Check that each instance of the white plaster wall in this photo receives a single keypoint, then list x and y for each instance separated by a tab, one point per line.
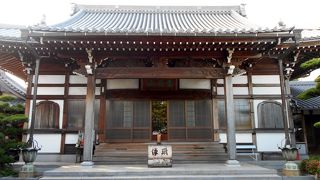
220	81
51	79
59	102
269	141
74	79
265	79
194	84
240	91
98	81
266	90
98	91
244	138
71	138
123	84
240	138
220	90
223	137
82	91
49	143
240	80
77	90
49	91
255	109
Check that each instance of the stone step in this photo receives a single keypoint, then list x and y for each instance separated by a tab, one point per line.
175	159
192	177
136	153
180	172
131	152
143	170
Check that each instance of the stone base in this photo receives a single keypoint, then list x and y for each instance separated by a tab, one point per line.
232	163
159	162
291	165
290	168
29	167
287	172
26	175
87	163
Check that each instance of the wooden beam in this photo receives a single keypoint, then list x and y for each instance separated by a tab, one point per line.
144	72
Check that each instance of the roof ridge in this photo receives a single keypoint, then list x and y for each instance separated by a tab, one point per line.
12	26
135	8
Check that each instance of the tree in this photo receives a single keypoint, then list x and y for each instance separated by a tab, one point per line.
11	121
311	64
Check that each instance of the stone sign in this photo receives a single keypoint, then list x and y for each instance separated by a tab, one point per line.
159	156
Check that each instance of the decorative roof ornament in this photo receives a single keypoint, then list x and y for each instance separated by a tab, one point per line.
43	20
243	10
281	24
74	8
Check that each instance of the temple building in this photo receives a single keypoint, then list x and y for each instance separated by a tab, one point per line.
203	77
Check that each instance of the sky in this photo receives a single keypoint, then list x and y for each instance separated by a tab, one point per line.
299	14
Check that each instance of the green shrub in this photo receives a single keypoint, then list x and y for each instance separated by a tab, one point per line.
311	165
11	123
311	64
310	93
317	124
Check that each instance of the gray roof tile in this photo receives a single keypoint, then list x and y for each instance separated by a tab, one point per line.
158	20
8	32
297	87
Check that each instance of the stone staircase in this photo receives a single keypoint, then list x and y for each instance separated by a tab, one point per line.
136	153
193	171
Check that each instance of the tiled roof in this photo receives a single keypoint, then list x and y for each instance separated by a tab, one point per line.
296	88
159	20
10	31
11	85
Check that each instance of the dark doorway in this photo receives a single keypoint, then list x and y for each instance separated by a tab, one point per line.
313	134
159	119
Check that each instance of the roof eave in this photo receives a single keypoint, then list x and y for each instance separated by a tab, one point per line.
213	34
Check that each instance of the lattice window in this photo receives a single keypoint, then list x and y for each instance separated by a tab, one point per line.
76	113
241	114
176	114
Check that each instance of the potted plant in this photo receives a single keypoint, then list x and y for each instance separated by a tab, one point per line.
290	153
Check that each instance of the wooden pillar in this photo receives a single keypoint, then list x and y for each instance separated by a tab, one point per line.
27	105
231	131
65	109
251	100
215	112
284	103
89	122
34	101
102	112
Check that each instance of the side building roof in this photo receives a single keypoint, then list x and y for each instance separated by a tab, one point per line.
11	36
298	87
10	32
